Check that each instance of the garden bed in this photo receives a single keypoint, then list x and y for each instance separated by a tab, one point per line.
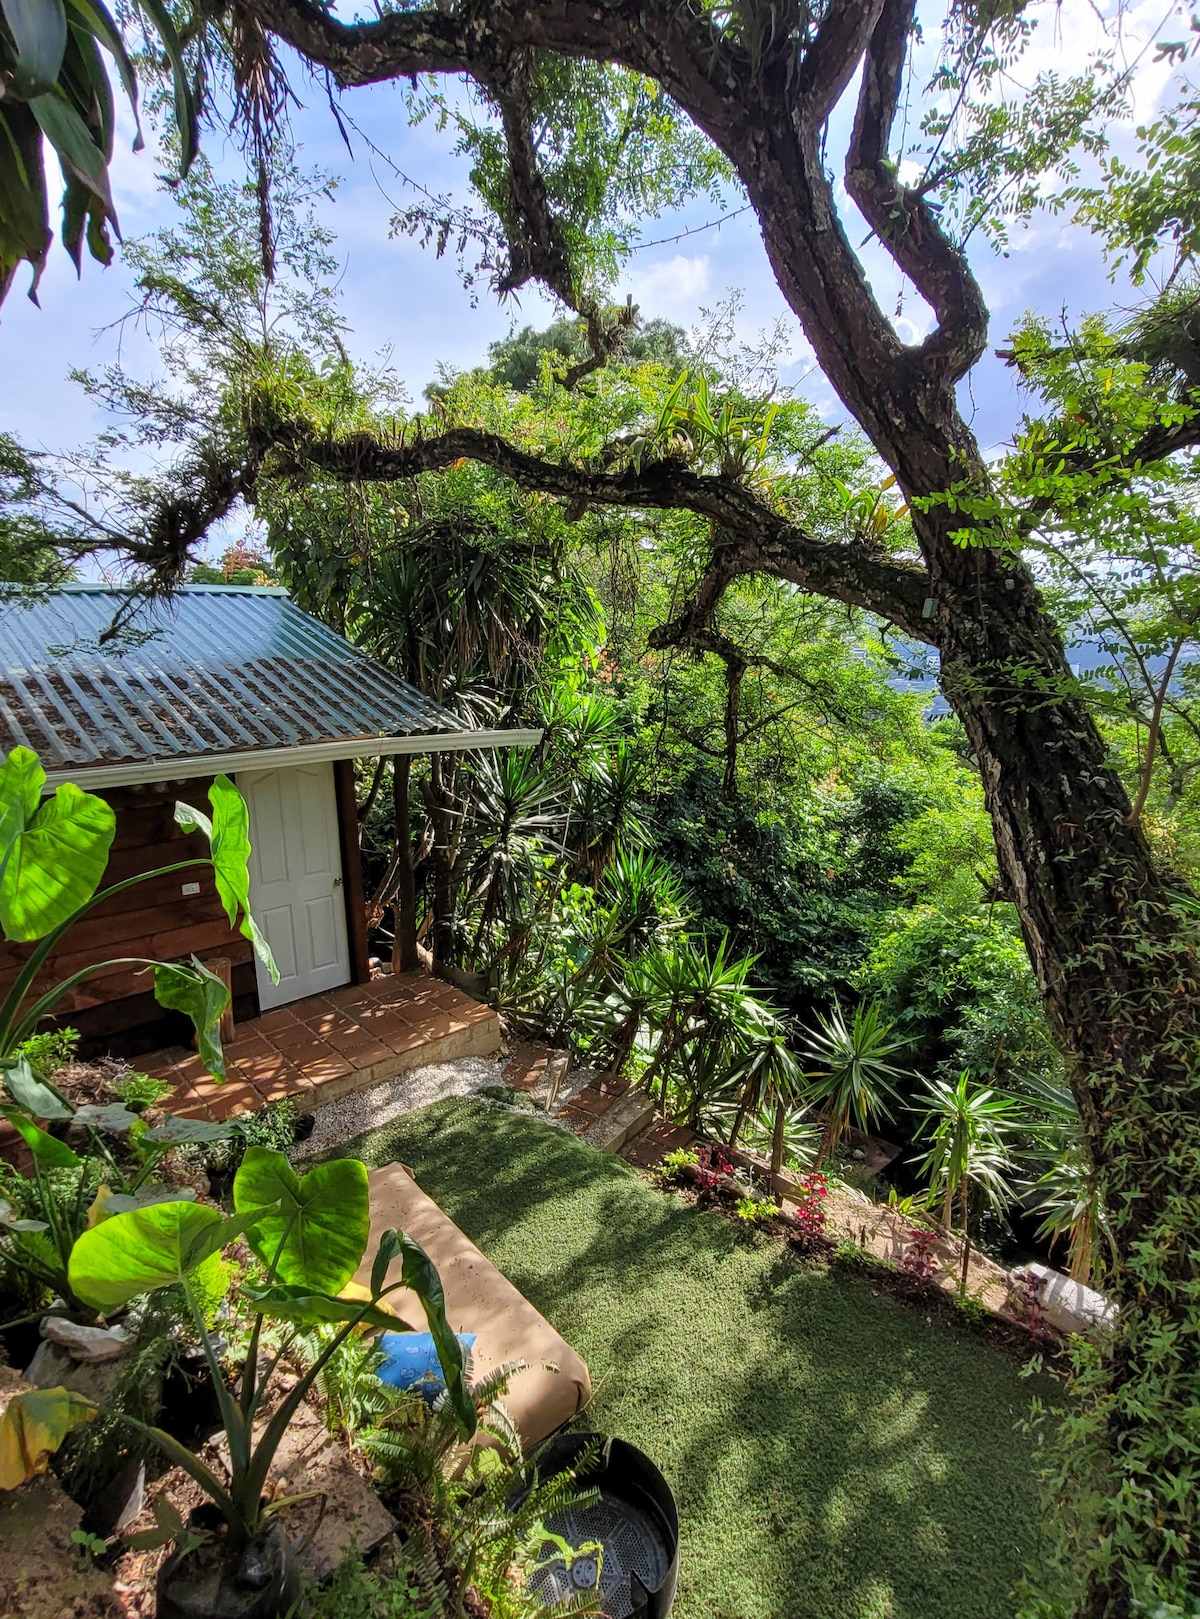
833	1451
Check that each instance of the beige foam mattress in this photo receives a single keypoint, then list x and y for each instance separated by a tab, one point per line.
481	1300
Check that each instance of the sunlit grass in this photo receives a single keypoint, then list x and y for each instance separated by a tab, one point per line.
834	1455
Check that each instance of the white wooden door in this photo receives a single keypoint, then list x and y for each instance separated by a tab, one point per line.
296	880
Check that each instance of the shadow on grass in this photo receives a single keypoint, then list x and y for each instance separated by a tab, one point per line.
833	1454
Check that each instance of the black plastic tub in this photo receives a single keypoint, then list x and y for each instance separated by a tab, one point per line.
635	1522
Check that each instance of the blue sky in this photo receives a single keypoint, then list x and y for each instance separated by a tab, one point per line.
397	296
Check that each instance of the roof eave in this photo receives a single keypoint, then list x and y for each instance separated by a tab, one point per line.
137	772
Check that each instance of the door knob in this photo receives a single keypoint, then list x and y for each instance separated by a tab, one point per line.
337	882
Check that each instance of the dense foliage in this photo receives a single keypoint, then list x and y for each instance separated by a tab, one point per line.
679	531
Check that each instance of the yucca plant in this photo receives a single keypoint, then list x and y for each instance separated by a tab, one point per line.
1073	1211
771	1080
849	1080
969	1128
1067	1189
55	88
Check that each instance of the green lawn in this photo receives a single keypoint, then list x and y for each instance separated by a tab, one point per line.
832	1454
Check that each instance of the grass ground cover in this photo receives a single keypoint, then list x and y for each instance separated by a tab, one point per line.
834	1456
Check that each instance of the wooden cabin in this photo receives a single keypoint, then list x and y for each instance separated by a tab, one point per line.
231	679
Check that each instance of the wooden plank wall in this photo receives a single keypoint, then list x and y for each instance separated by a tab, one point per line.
116	1010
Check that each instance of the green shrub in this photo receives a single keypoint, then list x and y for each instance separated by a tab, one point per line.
272	1126
673	1164
961	990
139	1091
50	1051
755	1210
400	1583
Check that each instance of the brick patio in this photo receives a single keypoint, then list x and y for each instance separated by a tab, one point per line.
319	1049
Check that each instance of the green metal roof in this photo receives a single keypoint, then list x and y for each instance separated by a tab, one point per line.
212	672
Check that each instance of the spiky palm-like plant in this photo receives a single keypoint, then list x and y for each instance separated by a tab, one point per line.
850	1072
969	1128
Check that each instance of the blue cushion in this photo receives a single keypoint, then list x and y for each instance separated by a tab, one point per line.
410	1361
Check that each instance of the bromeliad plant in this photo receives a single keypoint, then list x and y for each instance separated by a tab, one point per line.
310	1235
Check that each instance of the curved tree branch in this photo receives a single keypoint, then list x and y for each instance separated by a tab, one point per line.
829	62
902	218
762	539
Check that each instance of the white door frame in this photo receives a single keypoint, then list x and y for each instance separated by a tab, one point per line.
296	880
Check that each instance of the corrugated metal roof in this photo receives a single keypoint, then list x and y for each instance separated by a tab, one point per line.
212	670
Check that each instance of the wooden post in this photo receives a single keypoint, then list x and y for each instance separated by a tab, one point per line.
404	953
223	968
352	876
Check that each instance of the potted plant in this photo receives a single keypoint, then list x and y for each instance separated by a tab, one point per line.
231	1559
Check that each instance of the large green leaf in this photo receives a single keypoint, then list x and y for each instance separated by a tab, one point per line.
113	1118
140	1251
147	1248
204	997
305	1308
48	1150
228	834
30	1091
72	140
419	1273
39	31
318	1238
175	1132
52	851
97	19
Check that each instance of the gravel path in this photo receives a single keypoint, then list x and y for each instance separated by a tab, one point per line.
350	1115
358	1111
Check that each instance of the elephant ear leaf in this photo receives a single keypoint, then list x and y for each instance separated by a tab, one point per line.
53	851
30	1091
47	1149
228	834
419	1273
204	997
317	1239
140	1251
32	1427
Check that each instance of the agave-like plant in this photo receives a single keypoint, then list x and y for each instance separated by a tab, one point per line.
516	820
55	88
849	1080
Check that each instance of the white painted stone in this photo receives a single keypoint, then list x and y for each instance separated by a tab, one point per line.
93	1345
1068	1305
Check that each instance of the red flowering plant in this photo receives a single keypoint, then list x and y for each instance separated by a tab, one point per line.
810	1210
714	1168
919	1262
1025	1301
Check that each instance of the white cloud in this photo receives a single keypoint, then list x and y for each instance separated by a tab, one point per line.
674	284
